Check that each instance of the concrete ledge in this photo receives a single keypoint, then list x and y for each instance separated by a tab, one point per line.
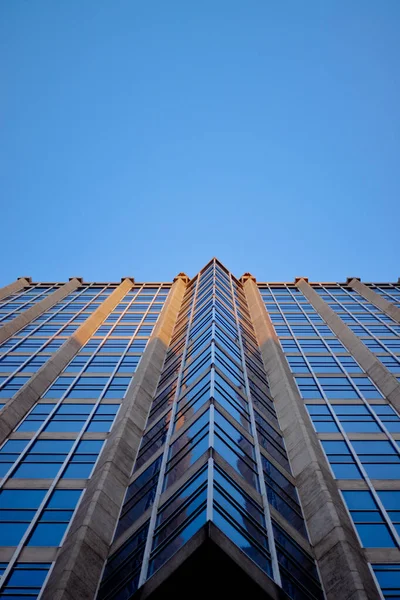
17	407
383	555
14	287
38	309
366	292
385	381
343	568
29	554
81	559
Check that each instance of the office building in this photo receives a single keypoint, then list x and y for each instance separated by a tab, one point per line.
214	435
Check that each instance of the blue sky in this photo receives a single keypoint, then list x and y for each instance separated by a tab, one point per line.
141	138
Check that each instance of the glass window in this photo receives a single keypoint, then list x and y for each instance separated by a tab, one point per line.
44	459
297	568
17	509
368	519
322	418
59	387
388	577
187	448
28	577
55	518
356	418
192	400
236	449
36	417
9	454
88	387
232	400
388	416
82	461
240	518
391	501
324	364
349	364
13	386
271	440
185	523
139	496
308	387
379	458
337	387
282	495
118	387
298	364
102	364
366	387
341	460
289	346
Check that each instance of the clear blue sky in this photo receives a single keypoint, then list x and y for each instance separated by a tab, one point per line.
142	137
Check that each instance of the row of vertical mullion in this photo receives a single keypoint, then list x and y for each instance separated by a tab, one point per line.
161	475
379	340
350	445
346	373
211	442
76	441
51	338
328	349
338	422
53	288
45	422
394	299
18	294
56	479
263	489
375	315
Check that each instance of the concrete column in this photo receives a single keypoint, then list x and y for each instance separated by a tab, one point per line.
379	374
38	309
79	566
14	287
366	292
18	406
343	568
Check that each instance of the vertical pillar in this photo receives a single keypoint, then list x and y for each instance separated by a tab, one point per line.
38	309
366	292
379	374
343	568
81	559
14	287
20	404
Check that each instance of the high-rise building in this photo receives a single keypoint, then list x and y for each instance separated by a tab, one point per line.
214	437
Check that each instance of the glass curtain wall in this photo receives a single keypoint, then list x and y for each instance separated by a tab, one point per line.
212	451
46	461
357	427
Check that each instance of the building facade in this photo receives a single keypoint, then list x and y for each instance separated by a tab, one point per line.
212	435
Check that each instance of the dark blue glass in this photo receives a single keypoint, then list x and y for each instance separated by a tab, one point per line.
47	534
375	535
11	533
257	553
21	498
177	542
